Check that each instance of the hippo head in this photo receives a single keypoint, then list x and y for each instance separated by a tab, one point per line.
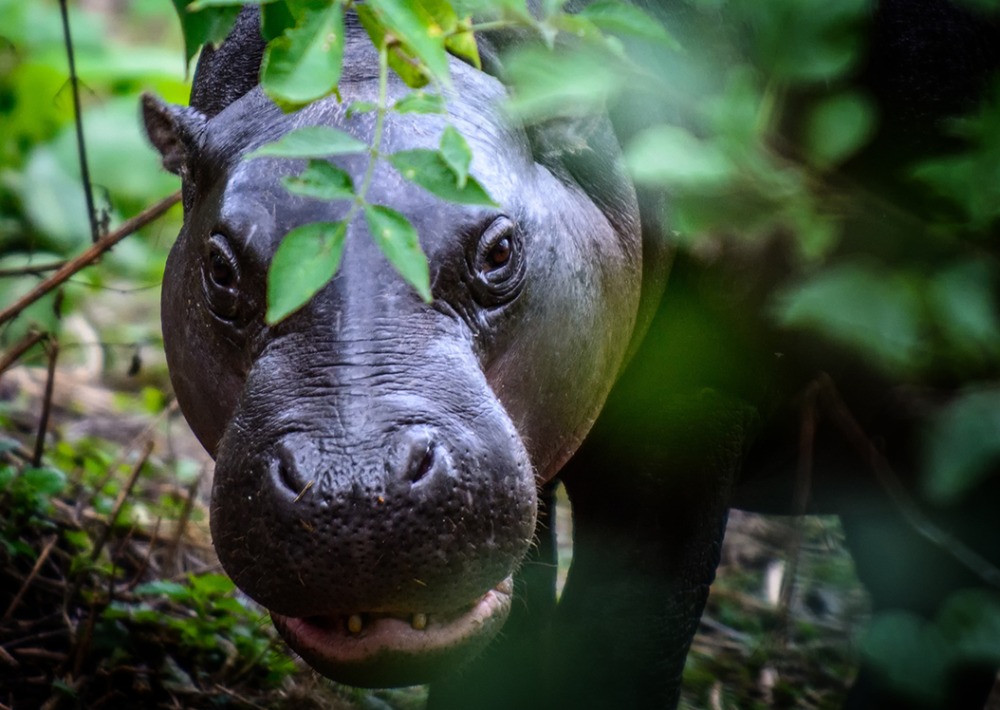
377	456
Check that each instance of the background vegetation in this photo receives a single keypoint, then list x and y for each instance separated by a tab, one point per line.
109	587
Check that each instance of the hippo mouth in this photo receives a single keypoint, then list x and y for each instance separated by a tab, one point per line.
389	649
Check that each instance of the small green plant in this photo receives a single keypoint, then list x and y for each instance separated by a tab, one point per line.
87	576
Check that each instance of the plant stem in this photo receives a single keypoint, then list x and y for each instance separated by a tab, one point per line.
380	111
74	82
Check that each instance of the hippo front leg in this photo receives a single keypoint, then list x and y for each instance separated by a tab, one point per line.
650	490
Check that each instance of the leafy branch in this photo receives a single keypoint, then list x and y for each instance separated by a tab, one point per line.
302	63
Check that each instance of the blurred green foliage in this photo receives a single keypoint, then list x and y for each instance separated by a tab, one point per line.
43	216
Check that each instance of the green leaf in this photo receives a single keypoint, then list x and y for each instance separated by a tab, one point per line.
837	128
310	142
201	4
826	42
412	22
670	156
209	26
463	44
910	653
398	240
78	538
971	619
356	107
456	153
963	301
44	481
172	590
305	261
874	311
213	584
322	181
568	83
304	63
401	60
620	18
963	445
419	102
430	170
275	19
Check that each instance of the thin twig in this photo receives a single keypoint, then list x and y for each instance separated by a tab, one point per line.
43	422
7	660
74	83
171	562
144	436
31	269
120	500
26	343
140	571
91	255
901	498
49	544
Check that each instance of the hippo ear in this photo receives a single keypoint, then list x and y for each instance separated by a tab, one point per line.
173	130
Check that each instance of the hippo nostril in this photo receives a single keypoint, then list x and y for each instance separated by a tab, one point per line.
288	470
415	458
423	467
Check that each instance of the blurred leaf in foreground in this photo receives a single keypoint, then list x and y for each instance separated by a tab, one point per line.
873	310
963	445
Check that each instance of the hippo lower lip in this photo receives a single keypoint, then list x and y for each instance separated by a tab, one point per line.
402	648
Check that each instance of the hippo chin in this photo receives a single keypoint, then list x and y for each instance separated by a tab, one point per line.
377	457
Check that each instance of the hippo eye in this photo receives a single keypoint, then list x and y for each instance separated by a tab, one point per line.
221	278
498	267
498	255
220	270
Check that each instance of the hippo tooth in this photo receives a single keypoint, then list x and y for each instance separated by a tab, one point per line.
419	621
354	623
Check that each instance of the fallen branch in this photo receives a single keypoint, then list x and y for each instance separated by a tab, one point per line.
120	500
49	544
20	348
92	254
43	422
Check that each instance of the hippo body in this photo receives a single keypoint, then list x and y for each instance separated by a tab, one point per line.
383	464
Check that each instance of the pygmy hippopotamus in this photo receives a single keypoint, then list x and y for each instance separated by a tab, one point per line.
382	462
377	457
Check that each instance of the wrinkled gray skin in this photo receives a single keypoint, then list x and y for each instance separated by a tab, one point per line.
377	455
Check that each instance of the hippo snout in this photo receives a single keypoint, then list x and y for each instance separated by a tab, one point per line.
381	551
